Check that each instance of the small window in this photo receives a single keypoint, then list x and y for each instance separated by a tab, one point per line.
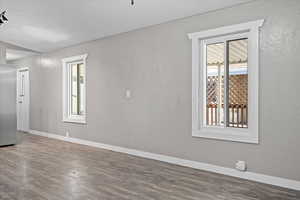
225	82
74	92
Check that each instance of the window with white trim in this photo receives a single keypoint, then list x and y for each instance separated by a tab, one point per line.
74	89
225	82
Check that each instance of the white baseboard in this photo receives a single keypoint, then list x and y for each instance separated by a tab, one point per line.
272	180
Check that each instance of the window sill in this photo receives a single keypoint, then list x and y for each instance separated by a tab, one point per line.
228	134
75	121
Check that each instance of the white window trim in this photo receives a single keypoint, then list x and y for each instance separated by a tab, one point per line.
67	116
251	134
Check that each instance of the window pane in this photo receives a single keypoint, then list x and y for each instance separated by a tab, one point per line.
77	89
81	89
237	112
74	89
215	84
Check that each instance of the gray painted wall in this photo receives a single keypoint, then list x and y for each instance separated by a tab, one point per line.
155	63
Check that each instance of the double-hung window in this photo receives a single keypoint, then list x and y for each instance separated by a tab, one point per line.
74	89
225	82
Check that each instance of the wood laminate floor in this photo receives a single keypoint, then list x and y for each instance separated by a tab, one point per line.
43	168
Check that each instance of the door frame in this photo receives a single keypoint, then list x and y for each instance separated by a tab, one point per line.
22	69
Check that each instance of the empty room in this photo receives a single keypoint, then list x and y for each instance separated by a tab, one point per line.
149	100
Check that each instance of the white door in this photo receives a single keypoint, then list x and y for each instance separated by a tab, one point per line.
23	99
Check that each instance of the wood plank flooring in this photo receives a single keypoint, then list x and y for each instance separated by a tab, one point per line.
43	168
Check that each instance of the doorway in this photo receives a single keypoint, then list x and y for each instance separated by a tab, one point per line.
23	98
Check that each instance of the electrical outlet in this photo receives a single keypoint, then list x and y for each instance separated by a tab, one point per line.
67	134
241	166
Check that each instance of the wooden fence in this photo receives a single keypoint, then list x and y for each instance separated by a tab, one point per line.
237	114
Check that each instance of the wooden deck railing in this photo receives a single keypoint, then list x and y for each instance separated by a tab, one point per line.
238	115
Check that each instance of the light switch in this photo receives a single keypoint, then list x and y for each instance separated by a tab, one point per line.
128	94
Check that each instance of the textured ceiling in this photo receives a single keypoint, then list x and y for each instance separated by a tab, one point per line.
46	25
